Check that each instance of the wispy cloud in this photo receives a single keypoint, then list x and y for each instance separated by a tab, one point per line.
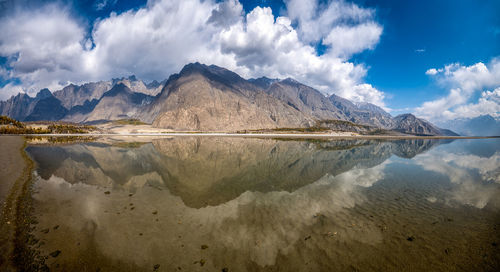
102	4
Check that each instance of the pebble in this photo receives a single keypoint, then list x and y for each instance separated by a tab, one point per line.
204	246
107	192
55	253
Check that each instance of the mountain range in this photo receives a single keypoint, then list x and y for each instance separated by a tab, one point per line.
211	98
484	125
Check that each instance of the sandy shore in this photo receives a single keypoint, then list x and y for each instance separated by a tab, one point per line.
12	164
15	177
339	135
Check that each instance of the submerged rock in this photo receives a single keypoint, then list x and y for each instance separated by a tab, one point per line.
55	253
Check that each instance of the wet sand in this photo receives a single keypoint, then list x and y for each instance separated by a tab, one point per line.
12	164
15	177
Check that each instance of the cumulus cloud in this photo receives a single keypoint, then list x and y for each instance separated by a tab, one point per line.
227	13
464	82
42	47
48	48
488	103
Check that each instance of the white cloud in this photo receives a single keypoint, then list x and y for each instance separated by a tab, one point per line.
155	41
43	48
346	40
364	93
315	20
488	103
464	83
431	72
101	4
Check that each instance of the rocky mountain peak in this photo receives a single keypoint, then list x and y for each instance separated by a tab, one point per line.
290	81
263	82
43	93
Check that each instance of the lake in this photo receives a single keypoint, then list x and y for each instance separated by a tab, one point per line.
250	204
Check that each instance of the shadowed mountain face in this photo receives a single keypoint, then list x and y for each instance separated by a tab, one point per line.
17	107
118	103
210	98
73	95
210	171
49	109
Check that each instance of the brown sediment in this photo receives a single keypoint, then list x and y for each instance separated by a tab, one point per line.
15	221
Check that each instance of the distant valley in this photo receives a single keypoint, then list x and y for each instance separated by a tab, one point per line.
211	98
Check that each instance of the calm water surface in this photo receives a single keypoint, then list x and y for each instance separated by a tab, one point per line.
206	203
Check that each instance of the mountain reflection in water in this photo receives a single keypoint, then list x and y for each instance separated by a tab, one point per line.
264	204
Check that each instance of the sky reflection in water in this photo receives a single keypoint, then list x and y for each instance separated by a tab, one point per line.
259	204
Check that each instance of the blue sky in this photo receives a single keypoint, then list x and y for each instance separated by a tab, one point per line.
365	50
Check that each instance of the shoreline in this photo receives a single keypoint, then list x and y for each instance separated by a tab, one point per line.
256	135
16	221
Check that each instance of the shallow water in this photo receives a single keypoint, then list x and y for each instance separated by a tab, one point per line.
208	203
